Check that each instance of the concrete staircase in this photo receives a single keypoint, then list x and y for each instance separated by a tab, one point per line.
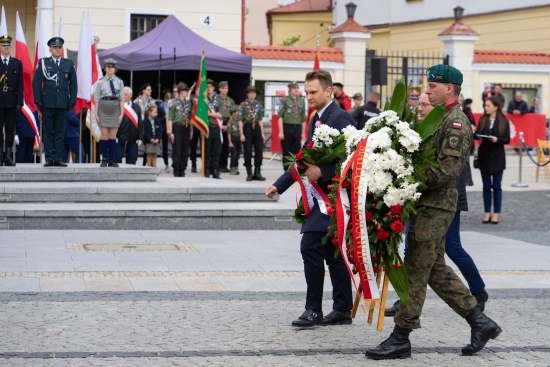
132	197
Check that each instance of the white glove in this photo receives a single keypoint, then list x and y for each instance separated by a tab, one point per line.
16	140
138	143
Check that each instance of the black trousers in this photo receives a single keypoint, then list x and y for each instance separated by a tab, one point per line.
180	148
53	129
235	151
212	150
292	141
164	140
25	151
224	153
253	138
193	146
7	124
314	254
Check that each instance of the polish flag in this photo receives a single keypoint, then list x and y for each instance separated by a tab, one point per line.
60	34
3	23
39	43
22	53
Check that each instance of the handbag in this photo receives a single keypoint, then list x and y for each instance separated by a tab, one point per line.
476	163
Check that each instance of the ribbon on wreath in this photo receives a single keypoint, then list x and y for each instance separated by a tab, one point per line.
310	190
355	212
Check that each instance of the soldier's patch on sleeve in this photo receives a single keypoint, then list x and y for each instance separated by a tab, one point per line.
453	141
453	145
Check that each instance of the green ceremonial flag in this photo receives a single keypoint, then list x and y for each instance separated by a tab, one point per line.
199	116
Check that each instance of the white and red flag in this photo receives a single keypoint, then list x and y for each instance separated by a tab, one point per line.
3	24
22	53
39	40
60	34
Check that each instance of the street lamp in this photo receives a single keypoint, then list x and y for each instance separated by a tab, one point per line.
350	9
459	12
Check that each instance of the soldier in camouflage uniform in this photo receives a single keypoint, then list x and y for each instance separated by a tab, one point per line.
425	259
292	122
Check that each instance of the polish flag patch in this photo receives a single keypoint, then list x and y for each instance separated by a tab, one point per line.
457	125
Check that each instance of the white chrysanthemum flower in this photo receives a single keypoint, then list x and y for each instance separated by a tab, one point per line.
334	132
354	140
348	131
380	139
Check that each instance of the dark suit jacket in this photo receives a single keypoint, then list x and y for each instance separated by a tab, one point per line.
491	156
127	132
148	130
49	93
72	127
14	81
337	118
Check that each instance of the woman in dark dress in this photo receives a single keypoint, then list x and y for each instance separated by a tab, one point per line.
494	131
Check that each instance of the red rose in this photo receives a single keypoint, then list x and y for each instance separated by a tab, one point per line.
310	144
344	184
397	226
299	156
382	235
396	209
369	217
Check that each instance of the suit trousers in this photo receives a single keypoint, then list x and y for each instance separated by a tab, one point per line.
25	151
53	131
213	147
253	138
164	140
7	123
314	254
180	148
425	264
131	150
292	141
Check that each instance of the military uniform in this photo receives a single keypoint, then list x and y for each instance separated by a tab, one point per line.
223	106
293	113
180	115
251	116
11	100
55	87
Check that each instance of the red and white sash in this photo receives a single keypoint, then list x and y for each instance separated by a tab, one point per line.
132	115
32	122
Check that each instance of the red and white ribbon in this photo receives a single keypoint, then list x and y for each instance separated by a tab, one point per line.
132	115
310	190
32	122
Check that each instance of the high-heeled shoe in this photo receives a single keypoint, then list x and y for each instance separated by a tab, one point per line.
485	221
494	221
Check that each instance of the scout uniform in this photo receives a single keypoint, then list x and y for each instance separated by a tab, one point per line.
214	141
11	100
55	87
251	116
224	105
293	114
435	210
180	115
233	134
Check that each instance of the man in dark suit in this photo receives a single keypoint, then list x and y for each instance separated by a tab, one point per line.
11	98
318	88
55	87
129	130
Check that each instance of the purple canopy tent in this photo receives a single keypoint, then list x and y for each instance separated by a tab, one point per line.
172	37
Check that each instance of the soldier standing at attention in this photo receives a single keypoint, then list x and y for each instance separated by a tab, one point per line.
224	107
179	129
292	121
109	107
11	98
425	261
252	133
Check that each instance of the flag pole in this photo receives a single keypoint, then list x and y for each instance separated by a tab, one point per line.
203	165
80	138
160	61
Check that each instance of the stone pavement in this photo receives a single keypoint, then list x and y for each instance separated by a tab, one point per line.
226	298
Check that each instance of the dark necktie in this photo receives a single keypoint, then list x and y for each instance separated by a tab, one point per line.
6	62
57	63
112	87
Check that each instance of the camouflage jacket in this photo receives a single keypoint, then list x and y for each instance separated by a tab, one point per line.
451	141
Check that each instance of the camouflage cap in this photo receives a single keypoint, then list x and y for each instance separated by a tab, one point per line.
444	74
357	96
56	41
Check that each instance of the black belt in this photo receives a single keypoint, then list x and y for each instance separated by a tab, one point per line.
109	98
5	88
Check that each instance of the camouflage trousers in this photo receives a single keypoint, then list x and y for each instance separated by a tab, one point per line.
425	265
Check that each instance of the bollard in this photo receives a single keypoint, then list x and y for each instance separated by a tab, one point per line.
521	146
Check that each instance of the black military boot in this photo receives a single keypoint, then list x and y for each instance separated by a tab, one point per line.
391	311
249	173
207	173
216	174
258	175
193	167
483	329
8	159
1	156
397	345
481	299
177	172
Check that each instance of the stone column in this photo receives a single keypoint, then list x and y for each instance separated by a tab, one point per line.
45	8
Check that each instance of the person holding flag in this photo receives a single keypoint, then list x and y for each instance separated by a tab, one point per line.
55	87
213	145
11	98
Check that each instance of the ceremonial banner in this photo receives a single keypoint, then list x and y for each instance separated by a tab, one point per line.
199	115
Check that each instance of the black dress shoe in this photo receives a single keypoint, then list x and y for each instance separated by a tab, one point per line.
391	311
59	164
483	329
48	164
308	319
336	318
224	170
194	169
481	299
113	164
397	345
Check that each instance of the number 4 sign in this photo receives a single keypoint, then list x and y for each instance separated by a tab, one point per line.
207	21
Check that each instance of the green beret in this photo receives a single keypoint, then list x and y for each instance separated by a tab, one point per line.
444	74
56	41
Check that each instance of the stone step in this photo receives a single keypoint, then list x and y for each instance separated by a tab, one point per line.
77	172
147	216
166	189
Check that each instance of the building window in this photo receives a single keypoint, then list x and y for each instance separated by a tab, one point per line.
142	24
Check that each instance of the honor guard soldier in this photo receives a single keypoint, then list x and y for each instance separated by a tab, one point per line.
55	87
291	121
11	99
